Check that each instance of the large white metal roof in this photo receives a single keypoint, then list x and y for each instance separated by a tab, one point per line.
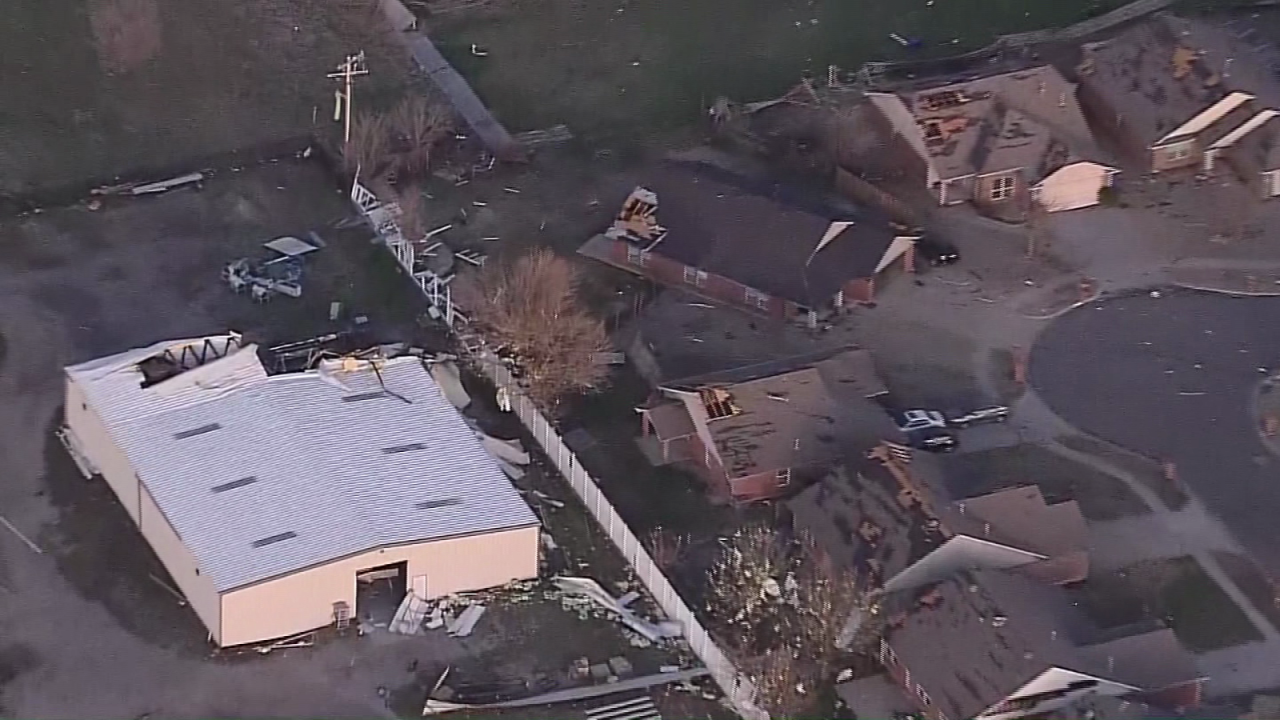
262	476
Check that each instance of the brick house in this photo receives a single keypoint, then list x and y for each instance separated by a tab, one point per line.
1180	94
999	645
762	431
999	141
770	249
888	524
976	623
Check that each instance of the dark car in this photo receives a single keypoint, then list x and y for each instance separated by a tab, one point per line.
936	252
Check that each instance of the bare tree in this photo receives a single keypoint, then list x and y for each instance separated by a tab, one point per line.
529	308
418	126
367	151
667	547
126	33
786	607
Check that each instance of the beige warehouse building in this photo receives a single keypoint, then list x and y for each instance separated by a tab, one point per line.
266	496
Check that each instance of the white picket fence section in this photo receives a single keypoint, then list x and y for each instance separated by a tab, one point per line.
736	686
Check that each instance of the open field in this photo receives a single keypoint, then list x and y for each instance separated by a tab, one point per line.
127	86
611	67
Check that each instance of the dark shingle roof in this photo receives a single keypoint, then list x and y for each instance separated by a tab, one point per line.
765	236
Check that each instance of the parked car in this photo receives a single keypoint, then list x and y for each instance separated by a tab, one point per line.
917	420
995	413
937	252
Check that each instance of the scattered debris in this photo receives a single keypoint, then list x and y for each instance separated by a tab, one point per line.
182	601
511	471
306	639
164	185
466	621
510	450
590	589
448	377
550	136
410	616
548	499
25	540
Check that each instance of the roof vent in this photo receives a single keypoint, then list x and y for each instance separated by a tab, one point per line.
197	431
998	621
403	448
365	396
432	504
273	539
235	484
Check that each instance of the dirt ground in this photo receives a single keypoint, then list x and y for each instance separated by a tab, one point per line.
1176	592
130	86
86	630
624	72
1101	496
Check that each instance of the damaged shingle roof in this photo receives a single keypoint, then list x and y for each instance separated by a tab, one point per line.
792	412
1028	119
1162	72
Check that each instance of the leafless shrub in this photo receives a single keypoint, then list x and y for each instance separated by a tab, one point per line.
126	33
529	308
666	547
367	152
413	212
786	613
418	126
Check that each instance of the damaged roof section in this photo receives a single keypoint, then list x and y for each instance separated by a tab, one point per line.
1029	119
788	413
1171	77
882	518
977	639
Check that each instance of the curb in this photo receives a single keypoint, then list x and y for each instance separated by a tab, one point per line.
1223	291
1065	310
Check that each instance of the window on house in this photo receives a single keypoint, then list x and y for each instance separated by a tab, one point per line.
757	299
784	477
695	277
924	696
1002	187
887	657
636	256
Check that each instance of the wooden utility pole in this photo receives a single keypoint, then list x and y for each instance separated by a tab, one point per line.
348	69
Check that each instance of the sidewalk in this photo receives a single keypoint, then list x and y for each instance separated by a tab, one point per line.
1256	279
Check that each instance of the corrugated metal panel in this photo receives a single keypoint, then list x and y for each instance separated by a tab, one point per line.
323	478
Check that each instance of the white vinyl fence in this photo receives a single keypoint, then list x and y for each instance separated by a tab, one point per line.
736	686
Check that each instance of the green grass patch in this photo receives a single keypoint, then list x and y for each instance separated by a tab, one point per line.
610	67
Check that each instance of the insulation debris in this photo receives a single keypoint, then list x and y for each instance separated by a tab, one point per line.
466	621
449	379
591	590
409	617
511	451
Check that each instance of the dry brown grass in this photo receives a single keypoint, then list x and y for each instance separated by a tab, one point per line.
126	33
417	126
529	308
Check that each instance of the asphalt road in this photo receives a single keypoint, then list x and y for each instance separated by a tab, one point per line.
1173	378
